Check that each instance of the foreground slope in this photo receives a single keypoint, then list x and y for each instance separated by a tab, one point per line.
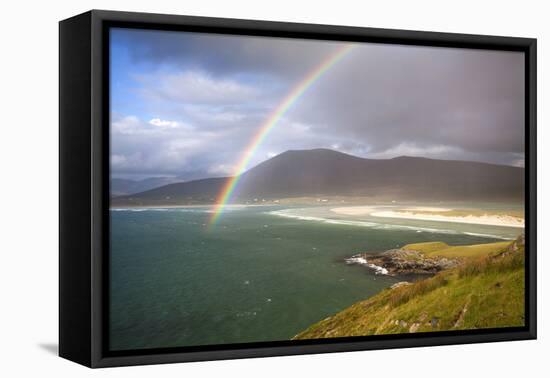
484	292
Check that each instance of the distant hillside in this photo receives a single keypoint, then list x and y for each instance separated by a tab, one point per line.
121	187
189	193
322	172
485	292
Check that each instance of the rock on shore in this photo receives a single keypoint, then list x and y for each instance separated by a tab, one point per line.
404	261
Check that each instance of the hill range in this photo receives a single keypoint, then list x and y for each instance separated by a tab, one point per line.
326	173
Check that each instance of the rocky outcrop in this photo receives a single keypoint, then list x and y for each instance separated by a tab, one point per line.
517	246
404	261
400	284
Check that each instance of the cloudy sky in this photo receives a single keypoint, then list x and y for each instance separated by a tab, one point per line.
187	104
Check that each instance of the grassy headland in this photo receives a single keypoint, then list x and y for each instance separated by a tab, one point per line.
485	291
440	249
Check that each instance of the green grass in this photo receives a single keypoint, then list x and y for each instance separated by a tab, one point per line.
484	292
426	248
439	249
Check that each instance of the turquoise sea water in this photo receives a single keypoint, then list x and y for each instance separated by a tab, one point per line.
261	274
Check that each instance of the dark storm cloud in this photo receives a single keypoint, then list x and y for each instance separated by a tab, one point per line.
226	55
467	99
379	101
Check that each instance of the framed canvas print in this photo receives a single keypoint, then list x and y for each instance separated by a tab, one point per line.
233	188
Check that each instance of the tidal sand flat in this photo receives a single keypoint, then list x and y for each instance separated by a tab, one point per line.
366	216
435	214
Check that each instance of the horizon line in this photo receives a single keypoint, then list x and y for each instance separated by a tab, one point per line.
145	177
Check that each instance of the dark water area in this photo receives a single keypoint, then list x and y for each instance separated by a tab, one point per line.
254	276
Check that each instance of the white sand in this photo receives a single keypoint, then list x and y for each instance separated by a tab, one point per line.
490	220
354	210
426	208
409	213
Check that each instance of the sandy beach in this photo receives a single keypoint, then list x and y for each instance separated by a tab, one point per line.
354	210
418	213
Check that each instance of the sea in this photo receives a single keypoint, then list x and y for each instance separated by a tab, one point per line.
260	273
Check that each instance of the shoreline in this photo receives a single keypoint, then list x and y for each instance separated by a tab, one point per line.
360	259
151	207
487	220
409	213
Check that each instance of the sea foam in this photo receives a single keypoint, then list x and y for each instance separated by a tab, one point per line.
362	261
379	226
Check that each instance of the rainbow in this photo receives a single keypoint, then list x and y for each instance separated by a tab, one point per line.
297	91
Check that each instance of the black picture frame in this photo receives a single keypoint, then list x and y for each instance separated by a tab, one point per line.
84	186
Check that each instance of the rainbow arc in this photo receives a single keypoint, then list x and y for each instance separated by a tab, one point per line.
291	98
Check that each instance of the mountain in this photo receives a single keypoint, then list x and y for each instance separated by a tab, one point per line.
323	172
120	186
189	193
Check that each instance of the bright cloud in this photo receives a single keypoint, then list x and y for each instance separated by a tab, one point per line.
413	149
166	147
132	125
164	124
222	170
126	125
196	87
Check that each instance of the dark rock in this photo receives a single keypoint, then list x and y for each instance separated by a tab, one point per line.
404	261
517	245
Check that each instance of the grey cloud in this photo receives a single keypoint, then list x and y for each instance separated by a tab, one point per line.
379	101
389	95
226	55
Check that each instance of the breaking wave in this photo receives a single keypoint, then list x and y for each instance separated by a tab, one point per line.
381	226
362	261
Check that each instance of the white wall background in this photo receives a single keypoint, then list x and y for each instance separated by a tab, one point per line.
28	186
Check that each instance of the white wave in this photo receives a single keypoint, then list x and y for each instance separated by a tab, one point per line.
138	210
488	236
362	261
188	210
130	210
380	226
246	314
282	213
164	209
